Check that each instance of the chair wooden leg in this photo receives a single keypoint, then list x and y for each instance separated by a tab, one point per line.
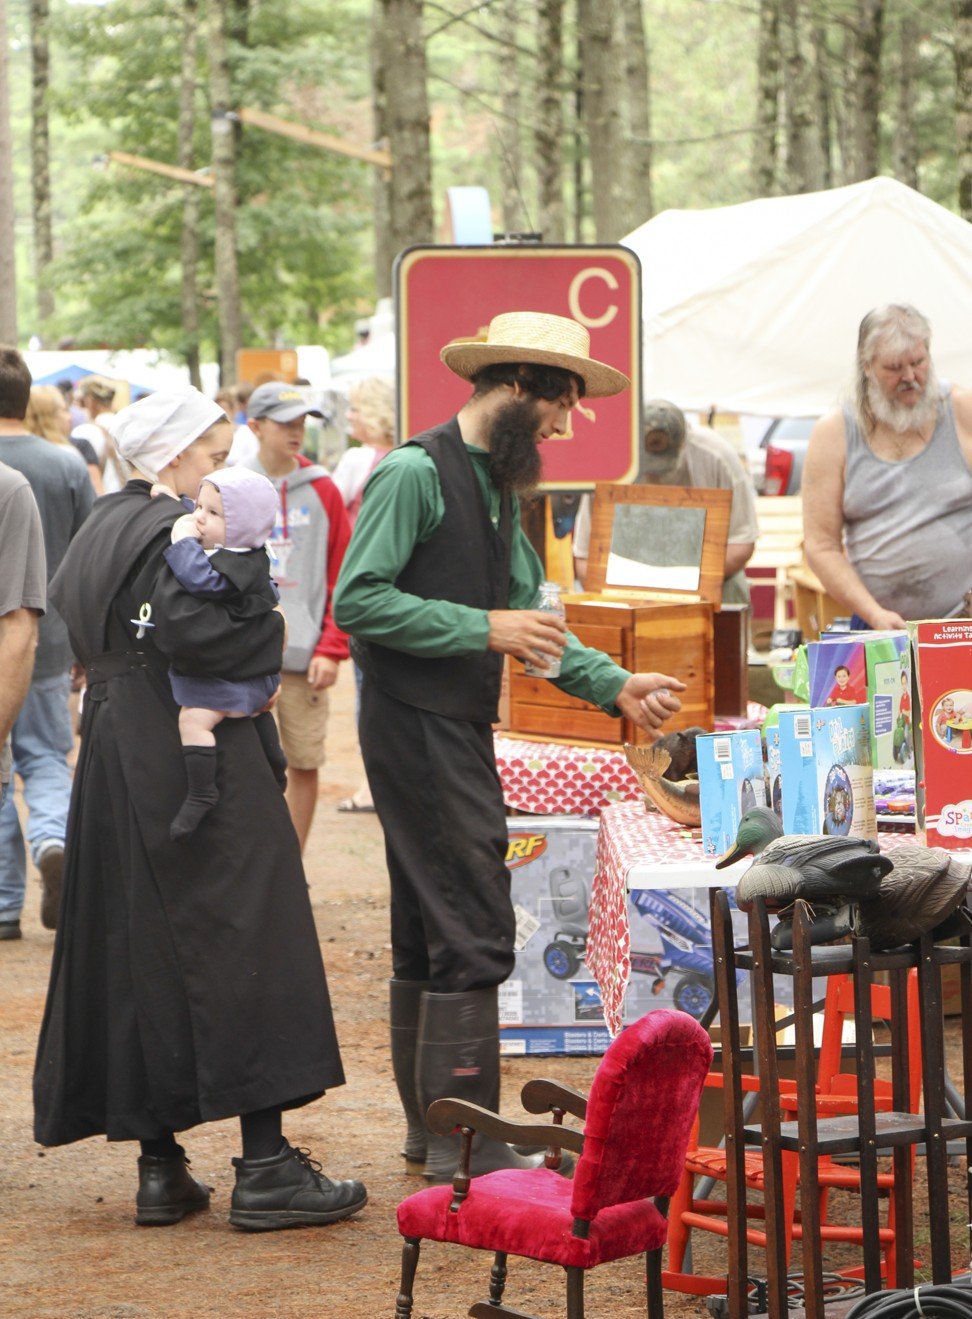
410	1258
497	1277
575	1293
653	1272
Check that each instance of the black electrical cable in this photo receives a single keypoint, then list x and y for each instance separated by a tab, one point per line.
949	1300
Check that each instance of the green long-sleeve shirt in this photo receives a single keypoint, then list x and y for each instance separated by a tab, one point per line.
402	507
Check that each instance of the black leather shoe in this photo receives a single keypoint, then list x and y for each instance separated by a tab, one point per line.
166	1190
10	930
289	1190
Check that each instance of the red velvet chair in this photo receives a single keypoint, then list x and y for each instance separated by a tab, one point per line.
638	1118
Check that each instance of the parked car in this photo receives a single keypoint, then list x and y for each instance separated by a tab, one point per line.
785	444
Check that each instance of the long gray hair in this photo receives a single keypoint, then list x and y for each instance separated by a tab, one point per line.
894	328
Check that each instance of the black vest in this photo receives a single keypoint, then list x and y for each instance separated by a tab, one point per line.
467	561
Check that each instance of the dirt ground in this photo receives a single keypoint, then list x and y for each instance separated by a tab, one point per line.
68	1246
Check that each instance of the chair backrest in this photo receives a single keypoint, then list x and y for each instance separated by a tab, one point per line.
643	1099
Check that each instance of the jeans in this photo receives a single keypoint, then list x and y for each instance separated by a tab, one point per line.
42	738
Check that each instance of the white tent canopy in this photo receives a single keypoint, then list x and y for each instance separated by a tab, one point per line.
755	308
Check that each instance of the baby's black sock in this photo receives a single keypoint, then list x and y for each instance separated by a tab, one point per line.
202	795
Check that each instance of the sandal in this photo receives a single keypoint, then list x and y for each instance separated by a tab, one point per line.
350	806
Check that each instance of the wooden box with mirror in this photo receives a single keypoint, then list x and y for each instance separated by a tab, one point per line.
655	573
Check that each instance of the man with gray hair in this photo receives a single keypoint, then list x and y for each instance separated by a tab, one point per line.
887	482
675	453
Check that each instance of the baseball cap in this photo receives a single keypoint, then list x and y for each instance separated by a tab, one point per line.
280	402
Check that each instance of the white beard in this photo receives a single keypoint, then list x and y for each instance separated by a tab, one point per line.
900	417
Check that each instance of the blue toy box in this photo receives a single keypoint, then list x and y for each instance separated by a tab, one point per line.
827	776
730	783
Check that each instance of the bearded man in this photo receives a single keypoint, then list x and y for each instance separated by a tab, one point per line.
437	585
887	483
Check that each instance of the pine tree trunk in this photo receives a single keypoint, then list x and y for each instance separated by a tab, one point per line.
870	17
804	165
407	105
189	242
381	186
768	64
637	104
40	156
224	177
597	22
515	219
963	102
8	266
905	136
824	90
549	130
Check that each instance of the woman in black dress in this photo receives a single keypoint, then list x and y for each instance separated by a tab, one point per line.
187	983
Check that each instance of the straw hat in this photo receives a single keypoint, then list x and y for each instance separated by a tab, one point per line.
533	336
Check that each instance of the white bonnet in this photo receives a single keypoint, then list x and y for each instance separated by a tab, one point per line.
150	433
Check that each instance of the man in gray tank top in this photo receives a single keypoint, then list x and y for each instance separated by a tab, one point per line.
887	482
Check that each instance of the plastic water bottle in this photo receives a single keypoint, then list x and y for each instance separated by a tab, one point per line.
548	600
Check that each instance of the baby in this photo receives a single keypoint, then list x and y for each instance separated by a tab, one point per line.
218	553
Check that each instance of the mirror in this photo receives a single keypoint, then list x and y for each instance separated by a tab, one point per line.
656	547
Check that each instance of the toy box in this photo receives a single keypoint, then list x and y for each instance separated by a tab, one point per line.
774	771
828	778
873	667
730	783
551	1003
942	691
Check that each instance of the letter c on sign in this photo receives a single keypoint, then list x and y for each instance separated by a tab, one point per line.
573	297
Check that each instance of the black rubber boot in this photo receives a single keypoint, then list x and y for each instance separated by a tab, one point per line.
458	1058
202	795
404	1001
289	1190
266	731
167	1191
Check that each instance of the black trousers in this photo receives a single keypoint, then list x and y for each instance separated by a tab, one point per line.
439	799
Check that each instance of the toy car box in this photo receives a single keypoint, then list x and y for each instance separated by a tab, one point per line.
730	783
827	775
873	667
942	692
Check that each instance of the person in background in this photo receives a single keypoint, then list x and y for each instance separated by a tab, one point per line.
675	453
48	416
187	984
97	397
309	539
371	423
42	736
887	482
438	584
23	595
78	415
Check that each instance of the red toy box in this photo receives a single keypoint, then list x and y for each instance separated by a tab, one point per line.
942	694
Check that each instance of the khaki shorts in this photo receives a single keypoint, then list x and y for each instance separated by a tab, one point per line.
301	715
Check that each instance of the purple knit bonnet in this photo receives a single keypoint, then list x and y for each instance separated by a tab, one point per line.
249	506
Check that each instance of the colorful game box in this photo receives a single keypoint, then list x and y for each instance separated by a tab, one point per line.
942	690
730	783
850	668
828	778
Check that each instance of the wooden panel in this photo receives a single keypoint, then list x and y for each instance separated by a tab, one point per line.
676	639
586	725
538	691
730	651
716	504
608	639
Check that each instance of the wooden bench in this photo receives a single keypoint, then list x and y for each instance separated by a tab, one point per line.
779	547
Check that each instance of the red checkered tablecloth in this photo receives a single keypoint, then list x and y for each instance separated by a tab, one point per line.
546	778
641	849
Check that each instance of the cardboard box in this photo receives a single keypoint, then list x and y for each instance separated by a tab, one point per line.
942	692
873	667
551	1003
827	775
730	783
774	771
